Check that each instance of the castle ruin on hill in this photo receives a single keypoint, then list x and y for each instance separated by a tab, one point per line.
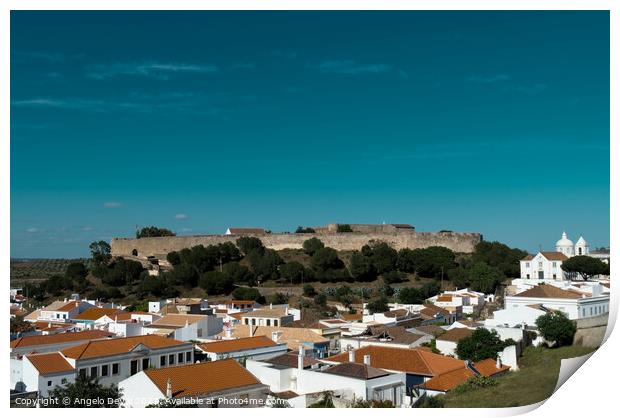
397	235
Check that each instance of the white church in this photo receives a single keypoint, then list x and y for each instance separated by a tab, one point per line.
546	265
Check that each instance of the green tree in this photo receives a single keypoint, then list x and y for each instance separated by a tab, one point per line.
325	402
100	252
320	299
216	283
426	262
344	228
312	245
382	256
557	328
173	258
500	256
431	402
378	305
152	231
72	395
309	290
239	274
361	267
484	278
480	345
292	271
266	263
302	230
247	293
76	271
325	259
247	244
584	265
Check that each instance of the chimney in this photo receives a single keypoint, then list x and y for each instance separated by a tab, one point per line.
498	363
351	356
367	359
300	358
271	306
251	330
228	332
169	389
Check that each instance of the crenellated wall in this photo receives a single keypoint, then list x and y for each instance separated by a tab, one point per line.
459	242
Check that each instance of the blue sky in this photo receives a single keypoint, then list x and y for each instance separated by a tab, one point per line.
496	122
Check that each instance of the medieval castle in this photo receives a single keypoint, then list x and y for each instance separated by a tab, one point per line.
397	235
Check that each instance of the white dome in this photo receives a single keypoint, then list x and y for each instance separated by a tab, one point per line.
564	241
582	242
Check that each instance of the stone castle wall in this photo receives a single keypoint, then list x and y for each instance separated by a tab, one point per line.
160	246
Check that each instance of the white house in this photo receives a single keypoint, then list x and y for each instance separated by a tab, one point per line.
218	384
54	342
43	372
350	381
185	327
268	317
575	304
60	311
256	348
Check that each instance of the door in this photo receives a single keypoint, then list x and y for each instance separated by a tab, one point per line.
134	367
145	363
541	275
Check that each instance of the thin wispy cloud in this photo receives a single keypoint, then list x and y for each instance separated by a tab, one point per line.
181	217
112	205
489	79
351	67
157	70
32	230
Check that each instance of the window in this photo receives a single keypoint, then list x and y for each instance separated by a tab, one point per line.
63	381
554	264
171	359
105	370
162	361
49	383
188	357
83	372
180	358
116	368
275	322
199	332
527	265
253	321
269	322
247	321
93	371
540	265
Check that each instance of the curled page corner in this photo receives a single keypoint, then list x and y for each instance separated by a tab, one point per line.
568	367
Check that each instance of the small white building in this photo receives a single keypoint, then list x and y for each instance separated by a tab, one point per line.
350	381
218	384
185	327
255	348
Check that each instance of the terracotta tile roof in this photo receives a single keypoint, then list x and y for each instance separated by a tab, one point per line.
104	348
287	394
356	371
290	360
68	306
549	291
449	380
240	302
432	310
455	334
433	330
454	378
554	255
444	298
409	360
528	257
33	316
50	363
488	367
93	314
175	320
265	313
190	380
352	317
293	337
395	313
396	335
226	346
59	338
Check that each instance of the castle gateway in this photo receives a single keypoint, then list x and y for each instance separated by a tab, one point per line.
397	235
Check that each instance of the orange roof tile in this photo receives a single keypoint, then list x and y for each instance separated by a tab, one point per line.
239	344
488	367
50	363
414	361
455	334
554	255
59	338
450	380
93	314
190	380
176	320
68	306
549	291
104	348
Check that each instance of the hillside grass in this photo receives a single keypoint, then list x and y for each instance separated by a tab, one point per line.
534	382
